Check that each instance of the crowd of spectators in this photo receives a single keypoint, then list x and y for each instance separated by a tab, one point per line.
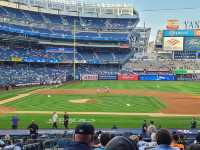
29	54
60	22
85	138
22	74
161	139
162	65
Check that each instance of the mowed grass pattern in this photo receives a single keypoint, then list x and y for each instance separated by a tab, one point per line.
100	121
168	86
104	103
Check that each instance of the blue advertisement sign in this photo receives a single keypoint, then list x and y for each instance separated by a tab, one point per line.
178	33
167	77
156	77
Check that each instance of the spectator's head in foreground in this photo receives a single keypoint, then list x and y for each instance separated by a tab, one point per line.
84	133
163	136
121	143
105	138
194	147
175	138
134	138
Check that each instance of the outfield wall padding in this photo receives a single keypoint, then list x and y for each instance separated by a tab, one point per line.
89	76
107	77
156	77
184	77
133	77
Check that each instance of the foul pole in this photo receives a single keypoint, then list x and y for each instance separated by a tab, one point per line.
74	51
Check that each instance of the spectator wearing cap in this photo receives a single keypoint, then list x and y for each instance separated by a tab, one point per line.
175	139
104	139
121	143
83	138
164	139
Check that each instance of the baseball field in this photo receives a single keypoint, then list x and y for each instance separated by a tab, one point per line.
104	103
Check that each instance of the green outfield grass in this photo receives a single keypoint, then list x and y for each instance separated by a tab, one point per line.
100	121
170	86
102	103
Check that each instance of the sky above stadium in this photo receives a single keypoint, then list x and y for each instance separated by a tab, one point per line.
155	13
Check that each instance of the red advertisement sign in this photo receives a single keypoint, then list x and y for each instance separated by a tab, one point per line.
128	77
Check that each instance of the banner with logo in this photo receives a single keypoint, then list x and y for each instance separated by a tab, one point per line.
128	77
107	77
173	24
184	77
89	77
173	43
181	71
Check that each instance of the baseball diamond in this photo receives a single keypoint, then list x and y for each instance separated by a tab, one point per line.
138	98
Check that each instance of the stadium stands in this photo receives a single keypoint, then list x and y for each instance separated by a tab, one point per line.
157	65
49	139
25	30
33	74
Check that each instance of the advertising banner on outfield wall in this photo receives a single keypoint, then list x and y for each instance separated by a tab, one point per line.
156	77
181	71
167	77
173	43
147	77
127	77
89	77
193	71
107	77
184	77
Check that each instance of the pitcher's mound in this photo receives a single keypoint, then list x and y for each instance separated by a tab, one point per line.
83	101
